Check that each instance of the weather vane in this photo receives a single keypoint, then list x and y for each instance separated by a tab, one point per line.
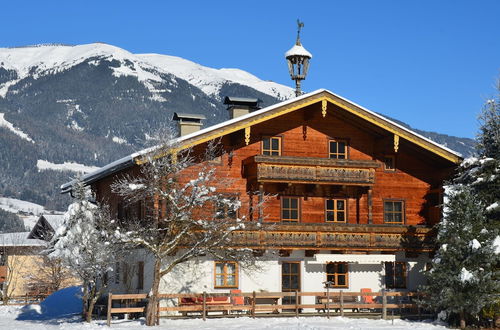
300	25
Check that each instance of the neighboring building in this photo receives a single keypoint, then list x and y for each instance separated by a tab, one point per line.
23	270
18	258
46	226
355	197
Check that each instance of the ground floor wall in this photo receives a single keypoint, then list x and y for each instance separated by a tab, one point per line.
270	273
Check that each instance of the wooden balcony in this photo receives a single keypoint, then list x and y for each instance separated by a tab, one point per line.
310	170
338	237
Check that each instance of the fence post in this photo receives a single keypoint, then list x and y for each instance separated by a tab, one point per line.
253	304
158	312
341	302
110	302
204	306
328	300
384	304
296	303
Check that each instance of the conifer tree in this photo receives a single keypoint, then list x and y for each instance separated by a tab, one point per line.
85	246
462	279
466	269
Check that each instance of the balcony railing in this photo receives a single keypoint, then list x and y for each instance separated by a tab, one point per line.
310	170
355	237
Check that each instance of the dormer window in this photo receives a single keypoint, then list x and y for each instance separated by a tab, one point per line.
271	146
337	149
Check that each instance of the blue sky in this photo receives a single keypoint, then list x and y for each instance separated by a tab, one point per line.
431	64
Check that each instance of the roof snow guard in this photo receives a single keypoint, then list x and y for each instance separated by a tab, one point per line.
322	96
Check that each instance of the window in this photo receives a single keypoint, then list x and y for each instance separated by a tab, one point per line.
337	274
394	212
271	146
290	280
226	274
390	163
225	211
290	209
335	210
395	275
140	275
338	149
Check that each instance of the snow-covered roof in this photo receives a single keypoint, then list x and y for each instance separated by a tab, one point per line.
54	220
104	171
190	139
19	239
298	50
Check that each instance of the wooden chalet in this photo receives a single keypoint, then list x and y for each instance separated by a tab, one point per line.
354	196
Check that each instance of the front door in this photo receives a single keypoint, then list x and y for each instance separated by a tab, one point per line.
290	280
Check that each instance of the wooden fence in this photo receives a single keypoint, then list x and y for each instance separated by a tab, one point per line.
252	304
25	300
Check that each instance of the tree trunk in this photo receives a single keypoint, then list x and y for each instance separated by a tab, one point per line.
152	308
90	304
462	320
85	299
88	317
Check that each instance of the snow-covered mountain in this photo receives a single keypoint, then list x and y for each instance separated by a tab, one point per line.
41	60
66	109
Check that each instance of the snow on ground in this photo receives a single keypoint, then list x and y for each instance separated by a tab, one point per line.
29	220
60	311
15	205
119	140
10	127
9	320
66	166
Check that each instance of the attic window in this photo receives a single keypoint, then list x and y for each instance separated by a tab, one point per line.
271	146
337	149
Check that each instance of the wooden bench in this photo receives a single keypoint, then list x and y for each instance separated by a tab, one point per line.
213	304
336	300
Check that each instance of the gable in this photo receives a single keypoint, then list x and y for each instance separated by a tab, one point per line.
328	102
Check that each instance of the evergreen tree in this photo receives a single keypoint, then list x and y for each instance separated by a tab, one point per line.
482	173
466	269
10	222
462	279
84	245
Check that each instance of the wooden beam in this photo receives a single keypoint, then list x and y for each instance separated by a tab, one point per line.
370	205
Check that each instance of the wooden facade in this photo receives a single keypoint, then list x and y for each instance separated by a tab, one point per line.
334	177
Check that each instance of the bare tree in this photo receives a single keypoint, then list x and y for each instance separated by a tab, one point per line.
184	215
49	275
86	247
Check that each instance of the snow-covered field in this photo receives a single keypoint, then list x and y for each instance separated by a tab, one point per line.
66	166
15	205
60	311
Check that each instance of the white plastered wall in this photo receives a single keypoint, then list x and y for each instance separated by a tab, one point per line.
197	276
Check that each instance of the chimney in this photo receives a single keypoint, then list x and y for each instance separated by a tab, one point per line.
188	123
239	106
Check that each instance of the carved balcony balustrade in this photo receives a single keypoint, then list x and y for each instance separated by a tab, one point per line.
309	170
338	237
